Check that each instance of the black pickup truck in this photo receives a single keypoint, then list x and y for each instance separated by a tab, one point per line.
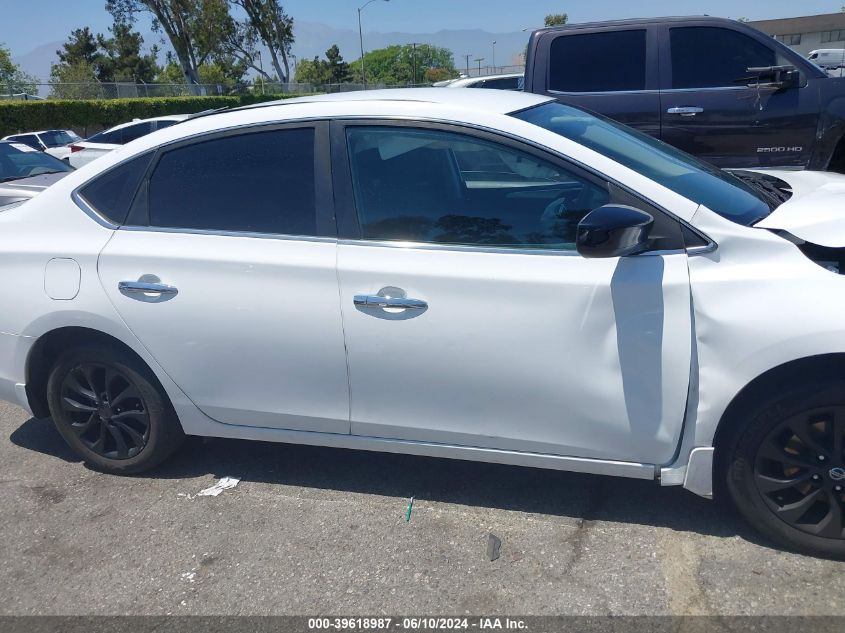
715	88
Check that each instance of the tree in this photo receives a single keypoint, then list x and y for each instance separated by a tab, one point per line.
122	59
338	69
556	19
196	28
268	22
12	78
332	70
394	65
76	80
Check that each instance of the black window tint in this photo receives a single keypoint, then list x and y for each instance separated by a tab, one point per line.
598	62
111	194
160	125
136	131
261	182
29	139
708	57
503	83
433	186
114	137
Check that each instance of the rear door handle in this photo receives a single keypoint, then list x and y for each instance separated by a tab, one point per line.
685	110
379	301
146	287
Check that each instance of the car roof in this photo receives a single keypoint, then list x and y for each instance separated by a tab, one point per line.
497	101
635	21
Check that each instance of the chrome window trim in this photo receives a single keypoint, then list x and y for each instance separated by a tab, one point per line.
493	250
220	233
595	93
89	210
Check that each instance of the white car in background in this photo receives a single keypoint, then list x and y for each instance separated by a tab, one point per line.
478	275
54	142
511	81
83	152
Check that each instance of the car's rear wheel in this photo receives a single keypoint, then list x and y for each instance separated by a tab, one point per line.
111	410
786	470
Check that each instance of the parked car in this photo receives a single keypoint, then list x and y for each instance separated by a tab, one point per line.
512	81
454	273
828	58
53	142
715	88
84	152
26	172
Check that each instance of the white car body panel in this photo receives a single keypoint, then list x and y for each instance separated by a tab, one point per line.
814	213
269	308
752	303
605	377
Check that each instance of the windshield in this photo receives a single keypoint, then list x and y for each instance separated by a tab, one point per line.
57	138
696	180
21	161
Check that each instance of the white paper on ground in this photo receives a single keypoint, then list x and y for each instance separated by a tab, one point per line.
223	484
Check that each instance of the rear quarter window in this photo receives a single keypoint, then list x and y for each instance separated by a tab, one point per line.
111	193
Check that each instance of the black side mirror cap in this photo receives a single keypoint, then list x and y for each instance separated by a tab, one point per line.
613	230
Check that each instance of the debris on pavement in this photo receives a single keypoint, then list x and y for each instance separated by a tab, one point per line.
494	546
408	511
223	484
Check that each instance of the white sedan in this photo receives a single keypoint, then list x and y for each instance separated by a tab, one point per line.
452	273
83	152
54	142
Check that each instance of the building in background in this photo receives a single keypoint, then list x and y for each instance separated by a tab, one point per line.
807	33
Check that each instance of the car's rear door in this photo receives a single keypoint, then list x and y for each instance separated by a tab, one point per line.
235	233
612	71
709	110
469	317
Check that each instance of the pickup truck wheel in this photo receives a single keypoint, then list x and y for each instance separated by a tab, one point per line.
111	410
786	469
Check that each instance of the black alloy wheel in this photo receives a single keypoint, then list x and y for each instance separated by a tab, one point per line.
800	471
106	410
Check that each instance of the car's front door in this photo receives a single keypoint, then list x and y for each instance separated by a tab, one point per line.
709	110
235	235
469	318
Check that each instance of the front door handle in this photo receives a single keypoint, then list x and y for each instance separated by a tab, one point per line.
146	287
685	110
380	301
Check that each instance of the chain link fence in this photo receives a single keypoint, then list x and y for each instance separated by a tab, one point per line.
129	90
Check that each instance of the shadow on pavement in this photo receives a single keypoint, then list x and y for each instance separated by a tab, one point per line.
512	488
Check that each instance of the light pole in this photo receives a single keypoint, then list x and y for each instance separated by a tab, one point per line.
479	60
494	56
361	39
261	66
468	55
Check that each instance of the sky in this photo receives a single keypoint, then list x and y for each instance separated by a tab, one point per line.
25	24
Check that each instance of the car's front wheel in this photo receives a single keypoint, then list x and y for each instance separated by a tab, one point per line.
111	410
786	468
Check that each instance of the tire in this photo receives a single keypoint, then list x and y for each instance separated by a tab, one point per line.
785	468
111	410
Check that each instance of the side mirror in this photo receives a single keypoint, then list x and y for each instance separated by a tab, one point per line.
773	77
613	230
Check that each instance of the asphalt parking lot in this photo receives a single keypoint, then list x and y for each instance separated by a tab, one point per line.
323	531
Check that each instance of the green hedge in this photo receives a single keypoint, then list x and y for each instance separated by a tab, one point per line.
28	116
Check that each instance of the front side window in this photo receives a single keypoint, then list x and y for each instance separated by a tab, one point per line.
696	180
132	132
713	57
443	187
598	62
260	182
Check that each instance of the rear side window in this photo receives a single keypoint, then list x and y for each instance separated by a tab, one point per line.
711	57
261	182
111	194
598	62
136	131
